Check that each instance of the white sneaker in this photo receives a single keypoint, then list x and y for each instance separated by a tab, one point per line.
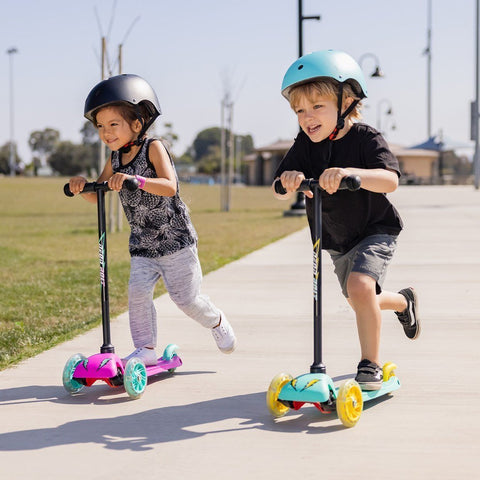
224	336
146	355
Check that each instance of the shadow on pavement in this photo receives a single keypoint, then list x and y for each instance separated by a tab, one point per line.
141	431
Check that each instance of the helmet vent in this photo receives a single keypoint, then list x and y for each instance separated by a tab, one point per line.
300	67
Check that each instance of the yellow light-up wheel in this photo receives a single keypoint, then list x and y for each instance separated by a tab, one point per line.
277	409
349	403
388	371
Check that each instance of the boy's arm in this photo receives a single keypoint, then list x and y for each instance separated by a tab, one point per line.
291	181
378	180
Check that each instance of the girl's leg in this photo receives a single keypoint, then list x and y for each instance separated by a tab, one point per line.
182	275
144	274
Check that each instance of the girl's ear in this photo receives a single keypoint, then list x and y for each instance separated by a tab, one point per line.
137	126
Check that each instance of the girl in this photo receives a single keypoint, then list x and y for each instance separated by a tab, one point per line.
163	241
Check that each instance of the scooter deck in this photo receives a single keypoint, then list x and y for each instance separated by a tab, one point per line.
164	365
319	388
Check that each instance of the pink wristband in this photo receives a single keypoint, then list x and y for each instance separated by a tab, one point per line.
141	181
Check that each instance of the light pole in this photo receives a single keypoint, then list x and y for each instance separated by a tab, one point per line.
11	159
387	111
298	208
428	53
475	110
377	72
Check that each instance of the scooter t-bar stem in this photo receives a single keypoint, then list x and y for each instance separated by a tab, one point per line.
351	183
100	188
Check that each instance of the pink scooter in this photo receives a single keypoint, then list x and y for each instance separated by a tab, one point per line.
81	371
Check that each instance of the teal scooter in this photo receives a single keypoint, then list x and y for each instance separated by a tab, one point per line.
316	387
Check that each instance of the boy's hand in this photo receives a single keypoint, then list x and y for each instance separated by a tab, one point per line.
76	184
291	181
115	182
331	177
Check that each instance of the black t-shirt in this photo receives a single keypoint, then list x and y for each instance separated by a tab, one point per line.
347	217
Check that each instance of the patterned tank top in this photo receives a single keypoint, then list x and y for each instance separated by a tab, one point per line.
159	225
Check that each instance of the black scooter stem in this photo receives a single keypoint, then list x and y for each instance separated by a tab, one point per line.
351	183
100	189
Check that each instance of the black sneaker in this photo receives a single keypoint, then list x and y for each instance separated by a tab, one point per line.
409	318
369	375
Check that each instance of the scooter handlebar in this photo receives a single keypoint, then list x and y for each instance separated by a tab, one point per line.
130	184
351	182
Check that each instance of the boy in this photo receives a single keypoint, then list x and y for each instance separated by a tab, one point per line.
360	229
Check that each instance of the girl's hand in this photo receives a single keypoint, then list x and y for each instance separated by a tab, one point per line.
331	177
76	184
291	181
115	182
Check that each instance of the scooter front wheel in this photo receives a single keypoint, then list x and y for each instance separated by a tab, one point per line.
135	377
70	384
349	403
277	409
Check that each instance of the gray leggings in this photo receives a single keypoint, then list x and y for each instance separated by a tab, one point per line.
182	276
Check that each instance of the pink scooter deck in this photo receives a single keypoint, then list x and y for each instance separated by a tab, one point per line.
108	367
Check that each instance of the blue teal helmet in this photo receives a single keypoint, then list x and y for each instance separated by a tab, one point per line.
325	64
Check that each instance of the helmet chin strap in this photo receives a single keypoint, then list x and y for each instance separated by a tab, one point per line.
341	116
140	139
128	146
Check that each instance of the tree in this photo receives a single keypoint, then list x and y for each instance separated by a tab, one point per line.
207	149
71	159
5	158
43	142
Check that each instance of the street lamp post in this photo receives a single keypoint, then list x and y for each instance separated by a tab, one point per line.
298	208
387	111
11	159
377	72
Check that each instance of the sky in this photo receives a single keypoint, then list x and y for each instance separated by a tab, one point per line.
195	51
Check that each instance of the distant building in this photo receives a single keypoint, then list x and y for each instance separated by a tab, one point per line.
418	166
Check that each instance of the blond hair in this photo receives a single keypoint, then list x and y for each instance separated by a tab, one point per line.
328	88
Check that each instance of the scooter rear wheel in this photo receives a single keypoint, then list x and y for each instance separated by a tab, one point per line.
135	377
277	409
70	384
349	403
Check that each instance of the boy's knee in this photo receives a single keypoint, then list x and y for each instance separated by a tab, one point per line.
360	286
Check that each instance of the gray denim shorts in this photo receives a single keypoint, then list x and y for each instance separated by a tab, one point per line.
371	256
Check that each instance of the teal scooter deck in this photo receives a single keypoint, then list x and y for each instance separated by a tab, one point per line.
319	388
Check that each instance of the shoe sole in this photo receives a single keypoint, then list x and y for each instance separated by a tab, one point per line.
229	349
417	318
368	387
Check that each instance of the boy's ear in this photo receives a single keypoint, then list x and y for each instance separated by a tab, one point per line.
347	102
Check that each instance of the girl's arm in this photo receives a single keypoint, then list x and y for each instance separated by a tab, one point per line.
77	183
166	183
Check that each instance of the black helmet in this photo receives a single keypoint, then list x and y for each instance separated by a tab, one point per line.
124	88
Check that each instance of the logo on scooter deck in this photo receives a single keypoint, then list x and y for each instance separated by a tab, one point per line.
316	253
101	256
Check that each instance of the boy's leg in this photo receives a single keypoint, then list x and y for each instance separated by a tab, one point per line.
392	301
363	299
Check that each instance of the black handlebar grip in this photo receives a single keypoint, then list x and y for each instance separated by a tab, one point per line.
131	184
278	187
352	183
66	190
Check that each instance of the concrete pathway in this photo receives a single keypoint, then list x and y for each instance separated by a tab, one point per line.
209	420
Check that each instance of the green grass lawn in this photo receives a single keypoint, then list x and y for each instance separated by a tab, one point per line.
49	255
